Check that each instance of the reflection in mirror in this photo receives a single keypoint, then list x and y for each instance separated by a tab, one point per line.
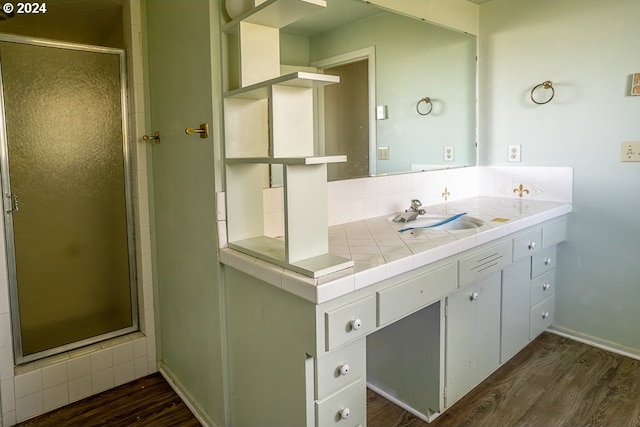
410	60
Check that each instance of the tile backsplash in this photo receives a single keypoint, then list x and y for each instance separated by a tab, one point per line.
357	199
362	198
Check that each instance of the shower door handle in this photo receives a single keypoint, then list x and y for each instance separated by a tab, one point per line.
13	203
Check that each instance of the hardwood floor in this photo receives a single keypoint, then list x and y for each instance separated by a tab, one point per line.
149	401
554	381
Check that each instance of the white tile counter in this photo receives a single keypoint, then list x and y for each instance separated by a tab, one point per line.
381	252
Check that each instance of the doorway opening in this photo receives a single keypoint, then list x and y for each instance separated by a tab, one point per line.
346	114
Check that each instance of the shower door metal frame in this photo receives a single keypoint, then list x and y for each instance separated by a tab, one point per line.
19	358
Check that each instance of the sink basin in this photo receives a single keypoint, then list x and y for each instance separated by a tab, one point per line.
429	220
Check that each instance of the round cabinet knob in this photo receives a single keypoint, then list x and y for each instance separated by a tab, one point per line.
545	315
474	296
532	245
547	261
344	369
546	286
355	324
344	413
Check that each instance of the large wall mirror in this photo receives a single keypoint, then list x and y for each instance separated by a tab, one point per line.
388	64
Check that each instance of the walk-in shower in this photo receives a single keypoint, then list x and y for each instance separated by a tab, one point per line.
67	199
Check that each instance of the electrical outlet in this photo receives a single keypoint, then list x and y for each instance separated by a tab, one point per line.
383	153
449	154
514	153
630	151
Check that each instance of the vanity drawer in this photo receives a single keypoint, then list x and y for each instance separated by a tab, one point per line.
404	298
527	244
543	261
346	408
554	233
542	287
483	263
340	367
541	317
349	322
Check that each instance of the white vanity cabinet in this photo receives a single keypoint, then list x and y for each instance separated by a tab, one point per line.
473	336
422	339
542	291
516	307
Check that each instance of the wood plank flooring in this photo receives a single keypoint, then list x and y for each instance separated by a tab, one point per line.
552	382
149	401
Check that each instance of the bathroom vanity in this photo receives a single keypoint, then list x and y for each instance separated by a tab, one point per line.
422	330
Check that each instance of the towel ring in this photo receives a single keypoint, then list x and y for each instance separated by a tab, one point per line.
546	85
427	101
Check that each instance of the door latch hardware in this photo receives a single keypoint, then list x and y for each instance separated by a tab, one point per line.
203	130
155	137
13	203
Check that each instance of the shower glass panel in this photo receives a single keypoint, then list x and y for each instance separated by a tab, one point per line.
65	180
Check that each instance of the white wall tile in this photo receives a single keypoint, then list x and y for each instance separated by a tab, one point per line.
4	295
5	330
28	383
55	397
9	418
79	388
139	347
6	363
123	353
78	367
102	380
102	359
140	367
123	373
54	375
29	406
7	392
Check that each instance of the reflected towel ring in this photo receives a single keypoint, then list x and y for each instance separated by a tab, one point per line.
546	85
427	101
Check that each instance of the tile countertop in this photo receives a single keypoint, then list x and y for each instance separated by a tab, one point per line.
381	252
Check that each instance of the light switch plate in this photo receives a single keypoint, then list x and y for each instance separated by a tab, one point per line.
630	151
381	112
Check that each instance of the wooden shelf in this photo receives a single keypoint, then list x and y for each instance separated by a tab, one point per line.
311	160
297	79
272	250
276	13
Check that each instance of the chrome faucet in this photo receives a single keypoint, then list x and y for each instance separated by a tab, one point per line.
412	213
416	206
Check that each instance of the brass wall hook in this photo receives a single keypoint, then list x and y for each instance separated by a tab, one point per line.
203	130
155	137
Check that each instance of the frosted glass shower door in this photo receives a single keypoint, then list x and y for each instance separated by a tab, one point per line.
65	167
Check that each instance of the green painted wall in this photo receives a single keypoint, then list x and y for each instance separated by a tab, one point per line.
183	54
589	49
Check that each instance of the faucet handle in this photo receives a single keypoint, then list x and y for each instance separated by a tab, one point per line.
415	204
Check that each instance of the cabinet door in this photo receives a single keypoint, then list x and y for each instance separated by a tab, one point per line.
515	309
487	338
472	336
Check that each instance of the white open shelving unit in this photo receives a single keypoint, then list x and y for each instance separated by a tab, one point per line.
268	120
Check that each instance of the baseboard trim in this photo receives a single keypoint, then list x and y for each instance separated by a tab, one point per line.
186	397
594	342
